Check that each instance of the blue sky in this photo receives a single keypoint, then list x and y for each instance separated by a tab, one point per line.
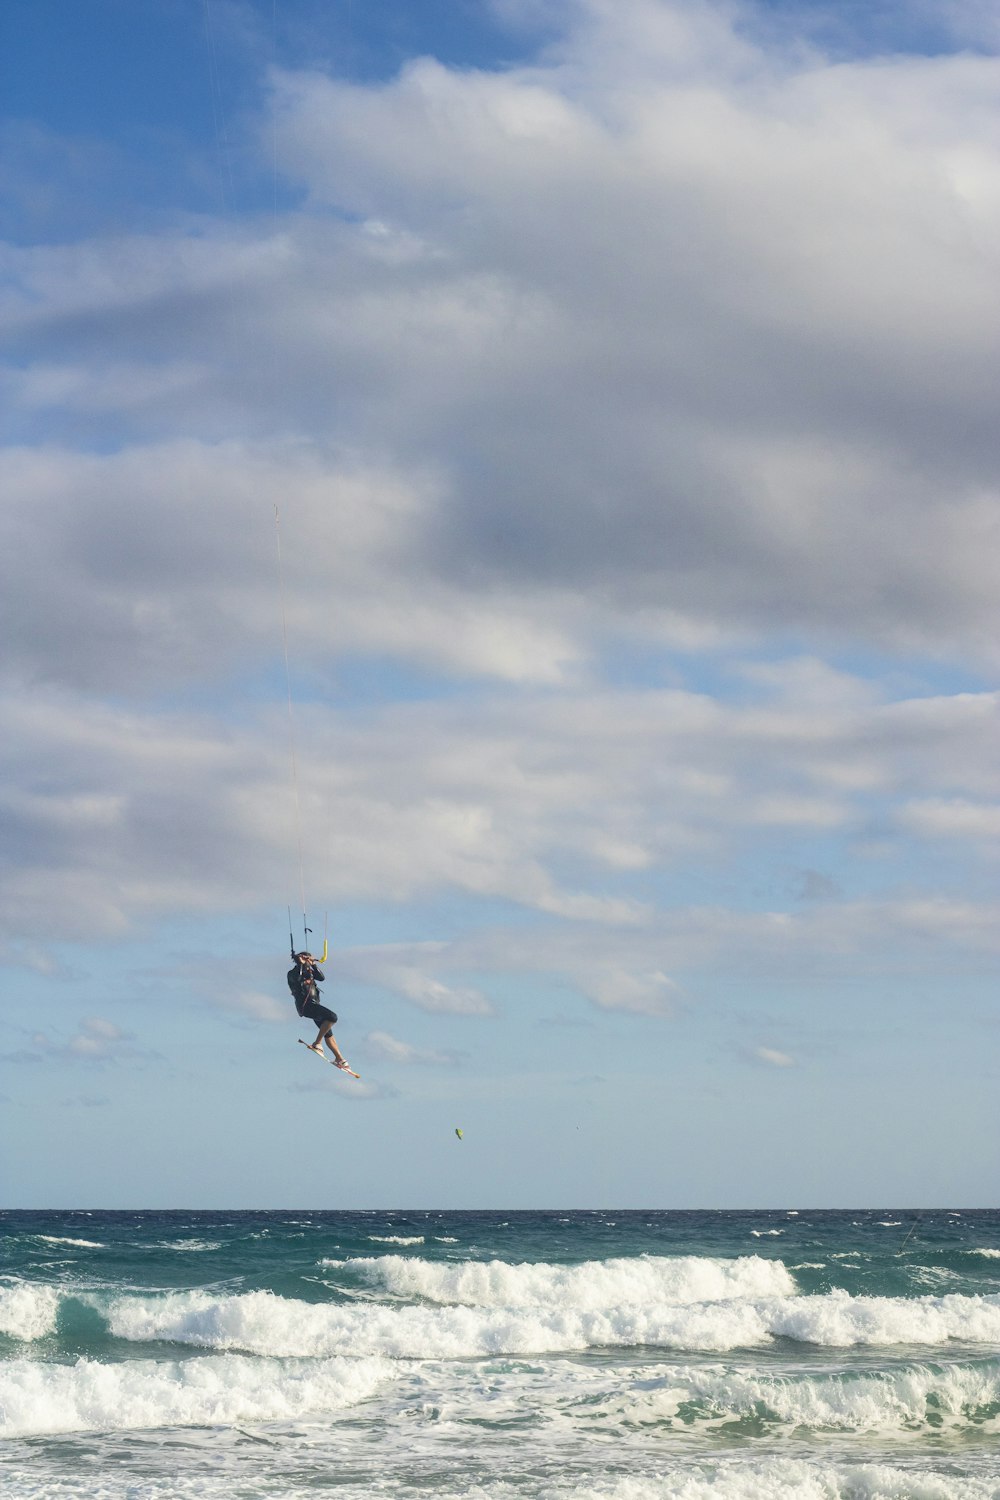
624	378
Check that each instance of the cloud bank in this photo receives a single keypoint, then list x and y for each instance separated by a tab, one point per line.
605	400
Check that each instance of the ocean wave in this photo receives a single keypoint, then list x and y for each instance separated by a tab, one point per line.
262	1323
37	1398
908	1397
61	1239
28	1312
837	1320
745	1478
397	1239
986	1253
592	1286
189	1246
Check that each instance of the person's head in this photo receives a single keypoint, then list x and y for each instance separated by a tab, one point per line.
304	960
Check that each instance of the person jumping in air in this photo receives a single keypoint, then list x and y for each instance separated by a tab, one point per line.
304	981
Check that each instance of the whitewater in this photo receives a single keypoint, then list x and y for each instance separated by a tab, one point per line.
501	1356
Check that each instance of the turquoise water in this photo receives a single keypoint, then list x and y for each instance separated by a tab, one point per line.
487	1356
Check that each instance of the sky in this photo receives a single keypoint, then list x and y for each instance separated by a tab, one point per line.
597	398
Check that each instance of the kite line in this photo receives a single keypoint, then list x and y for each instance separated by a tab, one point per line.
293	755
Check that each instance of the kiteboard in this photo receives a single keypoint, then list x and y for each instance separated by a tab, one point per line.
341	1067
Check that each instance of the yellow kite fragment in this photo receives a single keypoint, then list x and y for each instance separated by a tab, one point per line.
458	1132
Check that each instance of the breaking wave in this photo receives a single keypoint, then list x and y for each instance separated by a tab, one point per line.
61	1239
190	1246
911	1396
774	1479
263	1323
37	1398
593	1286
28	1312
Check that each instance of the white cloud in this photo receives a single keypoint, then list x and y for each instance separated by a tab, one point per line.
773	1058
431	994
814	812
253	1003
641	994
107	1030
673	332
569	804
710	275
674	339
382	1044
357	1090
97	1040
162	547
879	939
956	817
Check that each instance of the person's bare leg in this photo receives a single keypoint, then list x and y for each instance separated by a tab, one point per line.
317	1045
331	1043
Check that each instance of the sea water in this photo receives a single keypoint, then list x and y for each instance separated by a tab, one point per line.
495	1356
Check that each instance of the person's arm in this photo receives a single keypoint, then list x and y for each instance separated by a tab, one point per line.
318	974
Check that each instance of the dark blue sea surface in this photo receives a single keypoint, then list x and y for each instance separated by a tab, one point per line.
486	1356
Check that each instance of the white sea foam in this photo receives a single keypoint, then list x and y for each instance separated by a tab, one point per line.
397	1239
774	1479
838	1319
761	1234
190	1246
868	1401
27	1312
592	1286
746	1478
934	1278
88	1396
261	1323
265	1324
60	1239
987	1253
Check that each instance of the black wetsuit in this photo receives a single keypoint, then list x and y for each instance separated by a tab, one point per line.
303	984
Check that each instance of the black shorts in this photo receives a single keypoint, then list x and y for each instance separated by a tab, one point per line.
320	1016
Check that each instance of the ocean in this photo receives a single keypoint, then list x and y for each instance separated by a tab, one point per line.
500	1356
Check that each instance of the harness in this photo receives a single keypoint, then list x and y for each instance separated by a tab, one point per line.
303	986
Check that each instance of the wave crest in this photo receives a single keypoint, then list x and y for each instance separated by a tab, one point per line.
847	1401
591	1287
89	1396
28	1312
262	1323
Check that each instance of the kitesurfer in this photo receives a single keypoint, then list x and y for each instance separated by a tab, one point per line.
304	981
